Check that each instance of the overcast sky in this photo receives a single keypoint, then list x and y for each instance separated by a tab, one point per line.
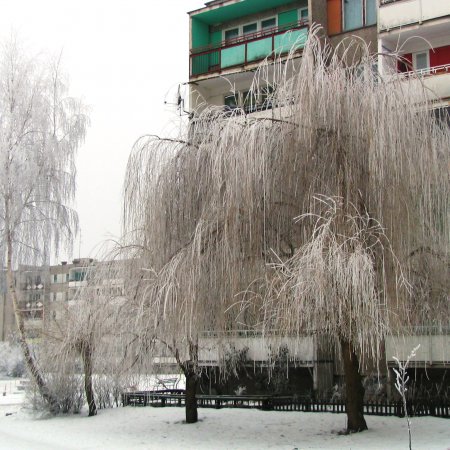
124	58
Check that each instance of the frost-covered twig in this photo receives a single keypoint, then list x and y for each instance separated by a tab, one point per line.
401	382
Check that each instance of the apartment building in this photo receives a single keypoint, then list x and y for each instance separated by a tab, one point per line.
419	30
229	39
44	293
65	281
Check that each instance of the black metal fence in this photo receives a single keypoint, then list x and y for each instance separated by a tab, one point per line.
176	397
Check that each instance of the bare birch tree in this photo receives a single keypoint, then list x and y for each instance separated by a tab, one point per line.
213	211
41	128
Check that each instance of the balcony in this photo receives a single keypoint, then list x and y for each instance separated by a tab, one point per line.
435	79
400	13
77	284
248	49
434	347
258	348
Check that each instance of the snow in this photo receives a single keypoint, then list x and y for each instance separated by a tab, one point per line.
164	428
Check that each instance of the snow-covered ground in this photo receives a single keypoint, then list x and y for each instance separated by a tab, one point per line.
163	428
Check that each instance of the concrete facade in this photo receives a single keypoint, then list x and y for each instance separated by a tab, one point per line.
419	31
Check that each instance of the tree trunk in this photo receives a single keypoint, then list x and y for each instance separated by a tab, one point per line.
191	391
354	389
28	356
86	355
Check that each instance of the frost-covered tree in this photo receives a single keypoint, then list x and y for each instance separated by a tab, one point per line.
213	212
96	332
41	128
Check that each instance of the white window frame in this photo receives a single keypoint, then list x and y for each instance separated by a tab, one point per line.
258	26
305	8
267	18
414	60
231	28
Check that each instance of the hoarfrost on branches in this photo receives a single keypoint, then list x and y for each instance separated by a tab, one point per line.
401	384
41	127
211	213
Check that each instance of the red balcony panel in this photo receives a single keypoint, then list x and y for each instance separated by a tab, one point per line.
440	56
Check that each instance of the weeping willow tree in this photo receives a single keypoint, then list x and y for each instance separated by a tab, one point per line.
213	212
41	128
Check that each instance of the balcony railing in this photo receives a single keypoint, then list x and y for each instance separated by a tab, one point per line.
444	68
252	47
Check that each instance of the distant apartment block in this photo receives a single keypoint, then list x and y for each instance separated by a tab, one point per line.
46	292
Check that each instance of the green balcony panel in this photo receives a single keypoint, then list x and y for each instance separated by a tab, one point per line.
200	64
284	42
259	49
213	60
233	56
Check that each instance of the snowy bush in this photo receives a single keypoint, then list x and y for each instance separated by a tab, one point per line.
107	391
11	360
67	389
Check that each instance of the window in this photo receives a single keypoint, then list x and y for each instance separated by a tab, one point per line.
78	275
249	101
353	14
250	28
231	101
345	15
303	14
421	60
268	23
55	278
371	12
231	34
253	27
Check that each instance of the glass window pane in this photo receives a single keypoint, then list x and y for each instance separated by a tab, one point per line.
421	61
268	23
250	28
371	12
353	14
304	14
249	101
230	101
230	34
